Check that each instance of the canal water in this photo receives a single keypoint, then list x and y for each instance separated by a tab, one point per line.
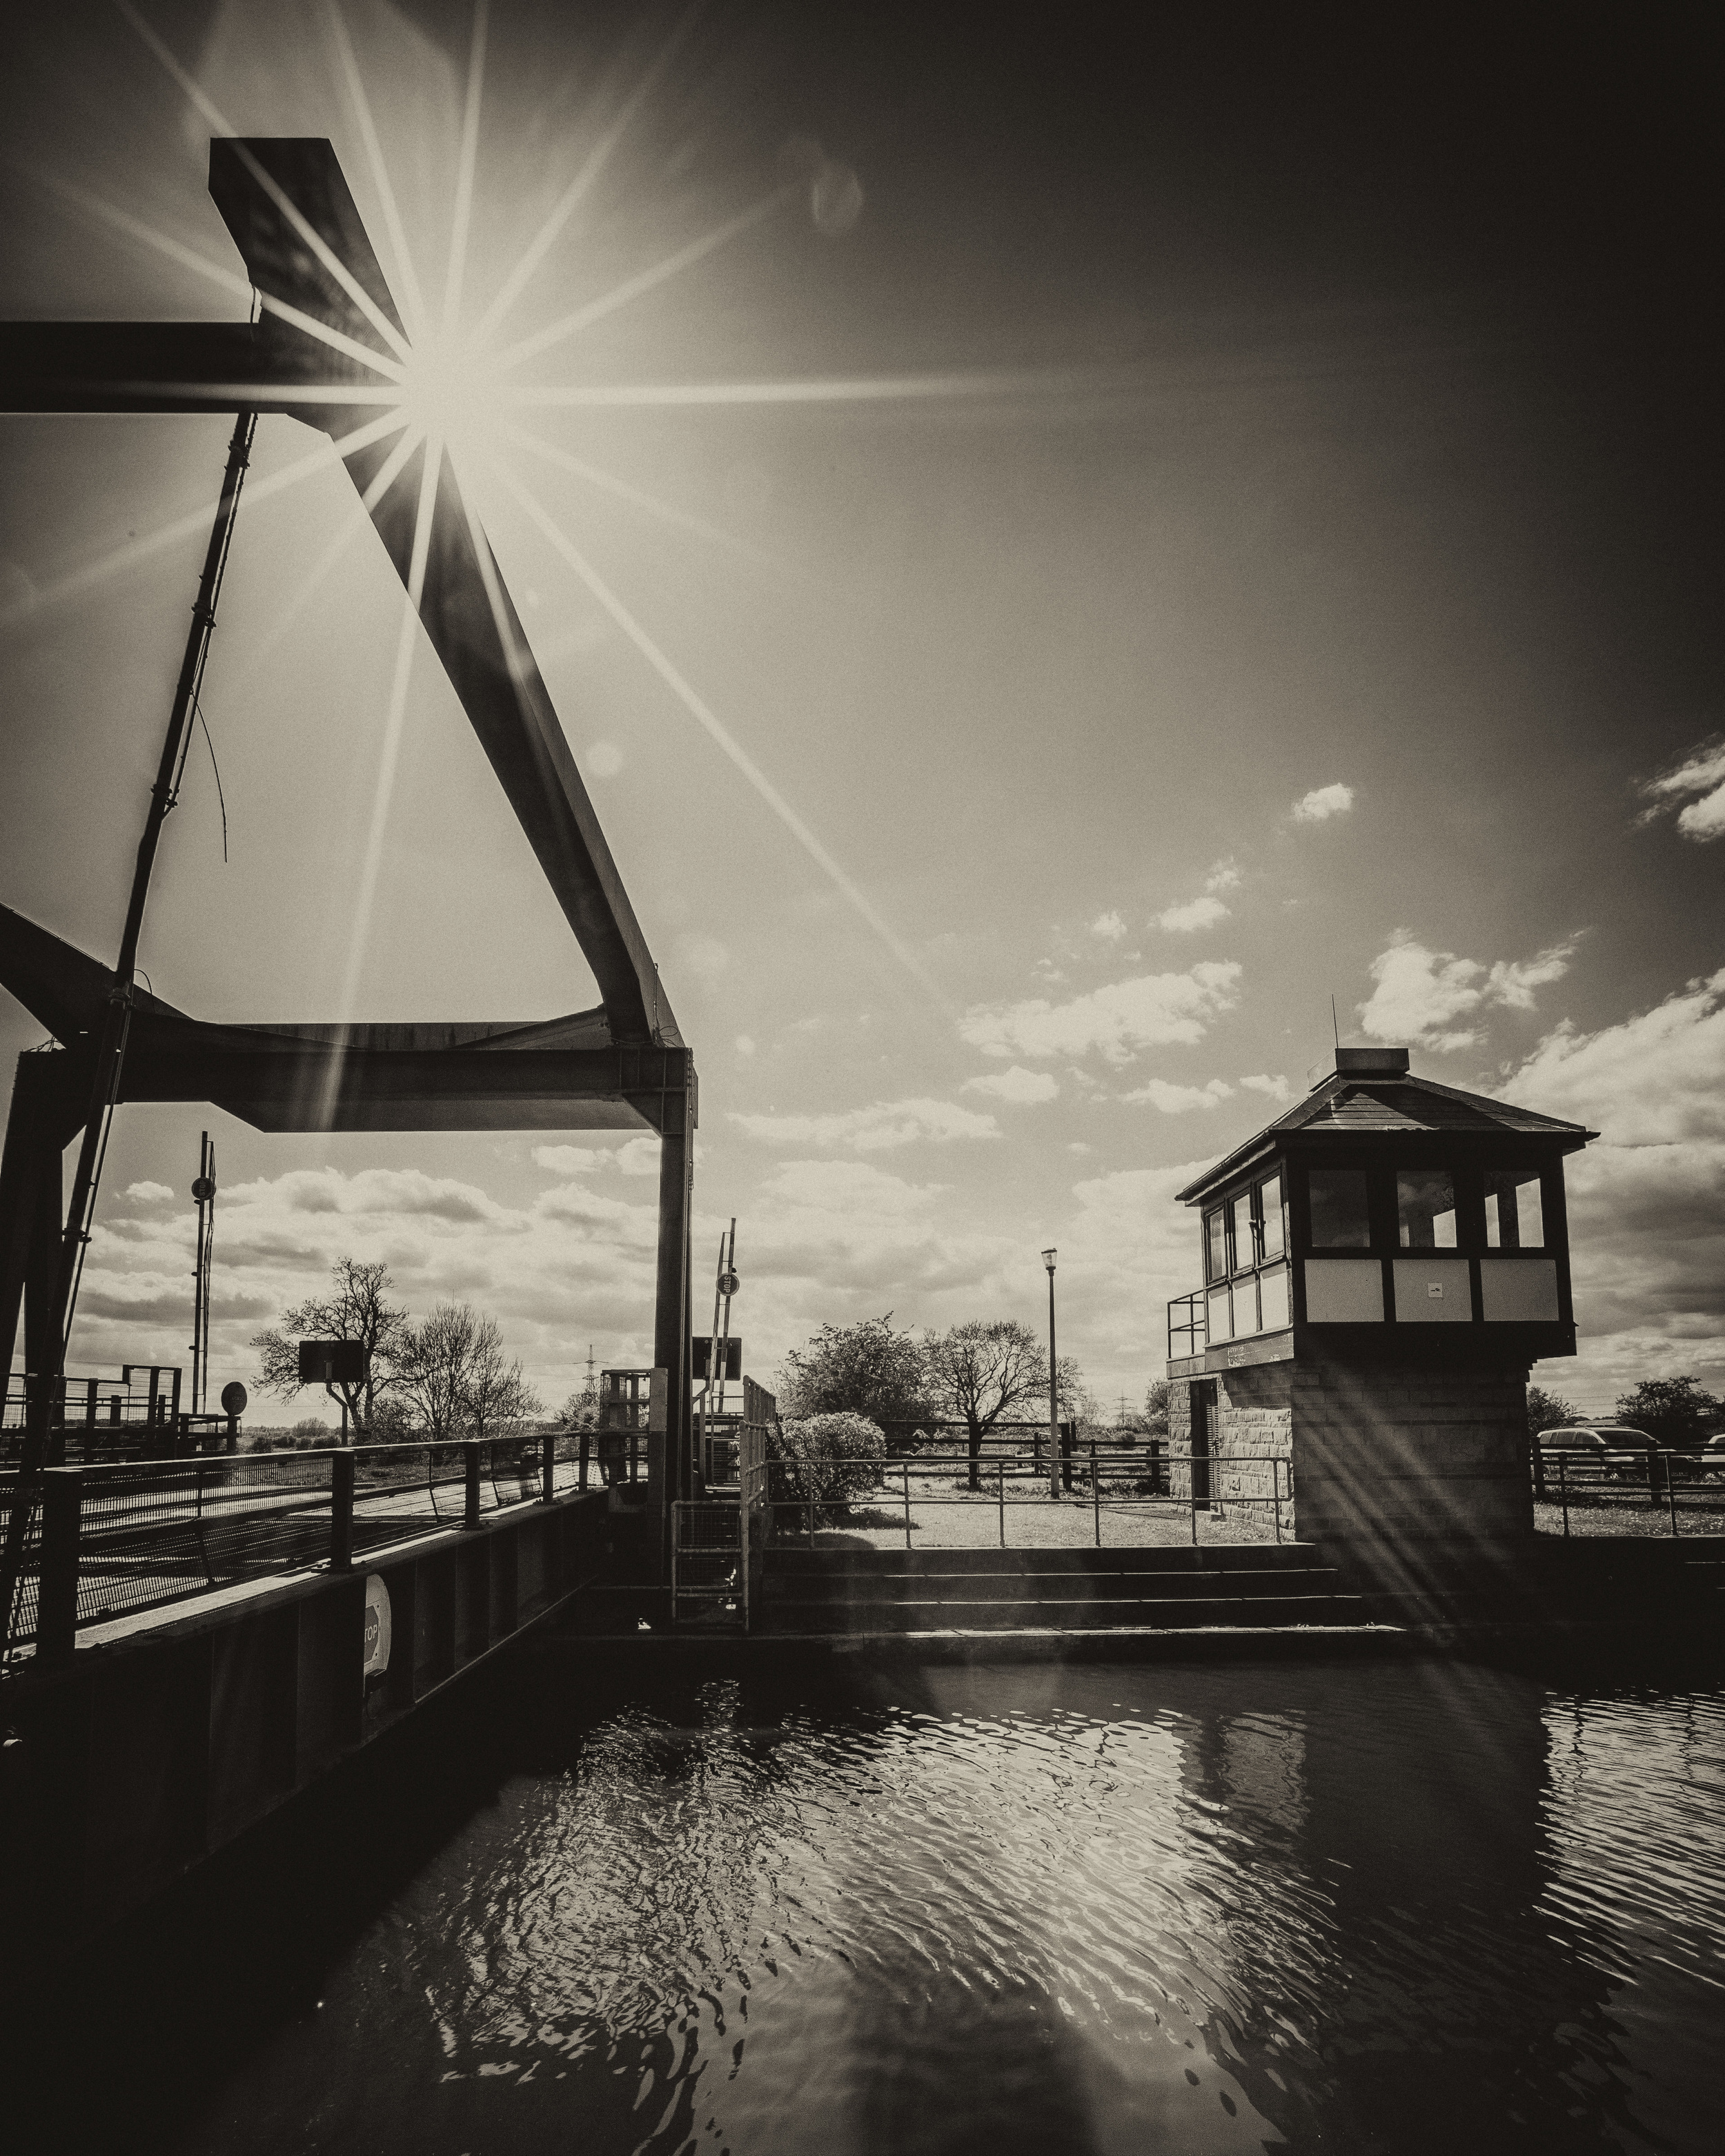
1390	1905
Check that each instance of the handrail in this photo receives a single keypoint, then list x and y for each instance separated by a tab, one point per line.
106	1539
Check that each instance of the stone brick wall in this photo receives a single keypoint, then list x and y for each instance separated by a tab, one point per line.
1254	1425
1389	1456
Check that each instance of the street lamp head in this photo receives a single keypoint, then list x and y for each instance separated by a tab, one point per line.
1048	1259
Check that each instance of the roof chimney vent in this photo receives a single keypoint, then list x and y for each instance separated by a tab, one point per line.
1372	1062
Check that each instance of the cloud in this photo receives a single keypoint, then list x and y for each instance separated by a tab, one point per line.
1109	927
1701	773
1223	876
745	1046
1274	1089
1020	1087
574	1160
640	1157
1647	1202
148	1193
1323	802
1197	913
1177	1100
1153	1010
1420	994
885	1125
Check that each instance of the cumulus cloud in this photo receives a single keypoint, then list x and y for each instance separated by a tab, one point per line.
1020	1087
1647	1202
574	1160
1177	1100
877	1128
1322	802
1153	1010
1273	1089
148	1193
1420	996
1701	774
1223	876
1197	913
1109	927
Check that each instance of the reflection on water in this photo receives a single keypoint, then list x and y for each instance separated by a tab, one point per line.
1358	1908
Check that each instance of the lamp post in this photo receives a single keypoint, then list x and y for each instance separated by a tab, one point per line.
1054	1411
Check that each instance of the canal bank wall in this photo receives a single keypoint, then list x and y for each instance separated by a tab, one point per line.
161	1741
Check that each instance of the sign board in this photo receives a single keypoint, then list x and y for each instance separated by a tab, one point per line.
729	1284
377	1629
701	1348
332	1361
233	1399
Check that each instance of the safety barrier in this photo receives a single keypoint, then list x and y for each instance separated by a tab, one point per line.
103	1542
1640	1490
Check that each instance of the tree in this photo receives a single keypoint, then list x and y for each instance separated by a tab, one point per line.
979	1372
1673	1411
866	1369
1547	1411
1156	1407
829	1458
358	1309
494	1392
436	1365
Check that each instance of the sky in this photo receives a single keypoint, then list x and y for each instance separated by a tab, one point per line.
1295	576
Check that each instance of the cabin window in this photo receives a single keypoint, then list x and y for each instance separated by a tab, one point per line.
1340	1220
1273	1238
1425	1208
1215	1245
1246	1252
1515	1218
1273	1300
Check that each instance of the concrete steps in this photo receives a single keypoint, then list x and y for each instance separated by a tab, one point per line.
839	1592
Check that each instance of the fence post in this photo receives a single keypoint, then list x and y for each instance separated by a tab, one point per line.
470	1463
57	1574
1563	1490
907	1503
1191	1490
1000	1485
1670	1491
582	1455
341	1510
548	1467
1275	1492
1096	1492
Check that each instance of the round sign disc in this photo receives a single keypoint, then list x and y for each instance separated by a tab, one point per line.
203	1187
729	1284
233	1399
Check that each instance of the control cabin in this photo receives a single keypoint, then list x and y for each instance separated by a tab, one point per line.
1381	1266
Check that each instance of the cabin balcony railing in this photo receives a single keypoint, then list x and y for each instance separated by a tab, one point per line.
1188	1326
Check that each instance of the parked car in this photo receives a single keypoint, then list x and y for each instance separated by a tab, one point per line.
1710	1459
1601	1451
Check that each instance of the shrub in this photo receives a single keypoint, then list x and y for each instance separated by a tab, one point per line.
831	1458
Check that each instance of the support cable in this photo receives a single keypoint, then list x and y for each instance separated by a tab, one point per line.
108	1069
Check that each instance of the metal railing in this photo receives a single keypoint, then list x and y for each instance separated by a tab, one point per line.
128	1412
1122	1482
106	1541
1188	1326
718	1541
1659	1488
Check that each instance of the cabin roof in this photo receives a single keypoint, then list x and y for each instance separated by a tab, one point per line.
1347	1105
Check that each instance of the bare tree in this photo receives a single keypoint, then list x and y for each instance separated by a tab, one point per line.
454	1372
494	1392
981	1372
436	1363
358	1309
